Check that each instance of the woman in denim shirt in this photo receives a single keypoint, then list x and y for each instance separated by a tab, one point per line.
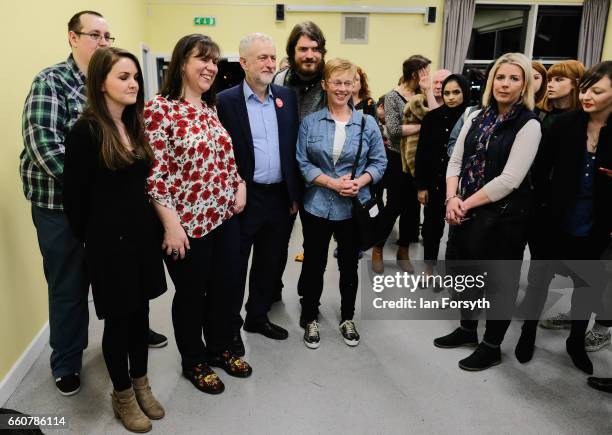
326	150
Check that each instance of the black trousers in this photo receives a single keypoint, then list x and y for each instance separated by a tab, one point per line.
264	225
402	201
433	227
206	282
125	347
541	273
494	232
317	235
278	289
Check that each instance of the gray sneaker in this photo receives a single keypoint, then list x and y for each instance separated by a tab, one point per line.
349	333
312	339
594	341
559	321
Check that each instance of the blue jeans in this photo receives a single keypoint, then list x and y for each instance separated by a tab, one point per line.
64	267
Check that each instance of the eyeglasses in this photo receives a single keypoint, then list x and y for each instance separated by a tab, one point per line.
338	83
97	37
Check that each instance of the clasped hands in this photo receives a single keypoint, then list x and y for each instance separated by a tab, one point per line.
345	186
456	211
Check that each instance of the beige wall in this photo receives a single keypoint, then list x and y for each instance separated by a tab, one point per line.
392	38
33	35
607	48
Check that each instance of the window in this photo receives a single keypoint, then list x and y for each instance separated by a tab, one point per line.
557	33
498	30
548	34
354	29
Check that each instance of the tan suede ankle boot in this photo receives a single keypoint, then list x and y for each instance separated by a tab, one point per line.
126	408
144	396
403	259
377	260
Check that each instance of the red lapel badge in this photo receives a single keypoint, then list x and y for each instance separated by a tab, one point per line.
279	103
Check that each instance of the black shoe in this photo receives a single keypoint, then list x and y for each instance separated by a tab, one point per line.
156	340
576	351
459	337
267	329
237	346
68	385
601	384
482	358
524	347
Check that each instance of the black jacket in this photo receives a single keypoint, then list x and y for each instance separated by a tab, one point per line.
559	165
499	146
110	212
233	114
431	155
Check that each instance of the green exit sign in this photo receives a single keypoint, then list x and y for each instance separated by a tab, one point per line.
204	21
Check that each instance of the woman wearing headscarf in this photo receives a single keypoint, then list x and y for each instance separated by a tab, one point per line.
432	161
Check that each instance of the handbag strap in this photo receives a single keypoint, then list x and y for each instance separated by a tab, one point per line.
358	155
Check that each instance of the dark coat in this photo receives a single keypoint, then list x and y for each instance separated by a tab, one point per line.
432	156
110	212
557	172
233	114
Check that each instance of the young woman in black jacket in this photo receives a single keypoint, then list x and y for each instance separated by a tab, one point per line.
574	172
432	160
107	163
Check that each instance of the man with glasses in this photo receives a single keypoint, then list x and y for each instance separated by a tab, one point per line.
55	102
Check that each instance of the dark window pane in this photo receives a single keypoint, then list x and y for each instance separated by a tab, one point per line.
497	30
484	46
557	32
476	75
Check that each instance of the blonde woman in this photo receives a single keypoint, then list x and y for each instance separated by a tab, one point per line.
488	196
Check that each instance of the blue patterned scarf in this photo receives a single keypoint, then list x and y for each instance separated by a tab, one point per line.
473	173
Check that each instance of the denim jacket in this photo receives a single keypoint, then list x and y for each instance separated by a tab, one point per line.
314	155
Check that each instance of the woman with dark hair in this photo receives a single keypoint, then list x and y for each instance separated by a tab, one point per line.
538	80
432	160
488	198
196	191
561	97
575	174
362	100
107	162
402	199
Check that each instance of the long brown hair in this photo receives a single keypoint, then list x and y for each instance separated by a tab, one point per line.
113	153
364	92
539	95
411	68
571	69
311	31
200	46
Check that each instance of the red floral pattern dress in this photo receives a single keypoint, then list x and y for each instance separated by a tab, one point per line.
194	172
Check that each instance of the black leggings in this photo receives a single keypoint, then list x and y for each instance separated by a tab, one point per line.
125	340
402	201
317	234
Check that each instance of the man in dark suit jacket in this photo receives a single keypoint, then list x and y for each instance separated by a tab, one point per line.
263	121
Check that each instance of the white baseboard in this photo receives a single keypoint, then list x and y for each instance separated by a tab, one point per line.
13	378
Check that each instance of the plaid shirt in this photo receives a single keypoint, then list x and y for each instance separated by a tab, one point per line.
54	104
